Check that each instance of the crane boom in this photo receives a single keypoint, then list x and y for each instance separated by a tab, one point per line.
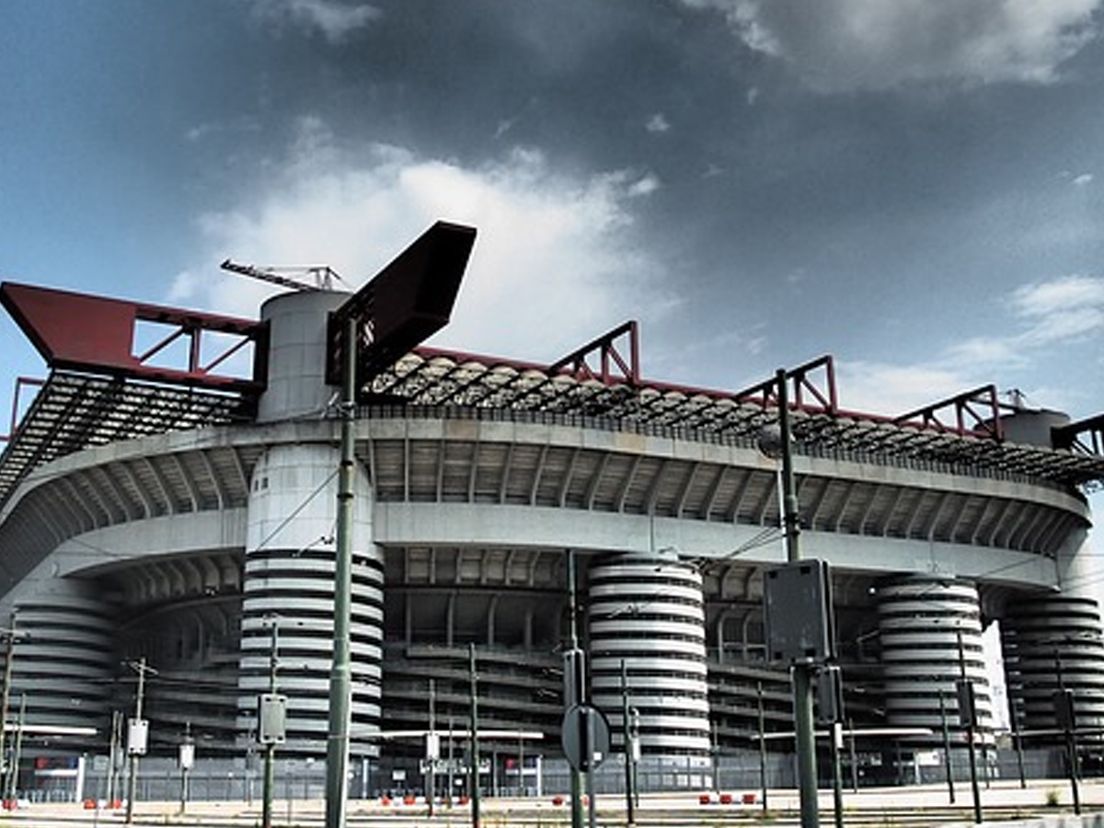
323	275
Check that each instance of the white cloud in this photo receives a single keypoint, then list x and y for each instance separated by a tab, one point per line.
1061	312
838	45
555	262
336	20
645	185
885	388
657	123
1043	300
1082	180
201	132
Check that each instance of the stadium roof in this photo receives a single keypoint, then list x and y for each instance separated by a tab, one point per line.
599	384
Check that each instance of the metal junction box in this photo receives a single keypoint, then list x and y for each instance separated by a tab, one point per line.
797	613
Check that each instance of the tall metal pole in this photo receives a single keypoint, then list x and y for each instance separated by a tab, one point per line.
762	744
474	727
626	730
947	763
805	735
573	645
112	758
836	731
521	766
431	761
854	756
448	766
635	714
1071	737
184	770
1017	739
337	749
13	772
970	735
270	748
592	805
715	751
132	783
5	694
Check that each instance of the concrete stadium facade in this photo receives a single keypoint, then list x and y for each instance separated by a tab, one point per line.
184	546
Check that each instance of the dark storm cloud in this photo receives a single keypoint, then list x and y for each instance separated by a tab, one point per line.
772	194
802	187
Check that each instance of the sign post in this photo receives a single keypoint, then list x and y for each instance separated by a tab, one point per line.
585	736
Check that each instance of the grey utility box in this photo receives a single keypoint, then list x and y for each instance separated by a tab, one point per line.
272	719
797	613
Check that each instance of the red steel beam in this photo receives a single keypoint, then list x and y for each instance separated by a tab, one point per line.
825	399
968	419
80	332
1084	436
605	346
20	383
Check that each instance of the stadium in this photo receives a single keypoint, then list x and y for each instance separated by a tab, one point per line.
168	493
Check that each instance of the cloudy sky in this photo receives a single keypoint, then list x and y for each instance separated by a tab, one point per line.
914	187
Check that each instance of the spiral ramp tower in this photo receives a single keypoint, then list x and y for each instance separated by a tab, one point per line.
647	612
1050	643
290	550
930	633
63	657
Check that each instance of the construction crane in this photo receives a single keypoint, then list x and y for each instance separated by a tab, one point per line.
323	276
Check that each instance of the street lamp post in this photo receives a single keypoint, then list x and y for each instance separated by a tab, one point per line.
432	749
270	748
630	748
971	724
802	673
947	763
1067	722
136	738
762	744
337	748
473	723
13	772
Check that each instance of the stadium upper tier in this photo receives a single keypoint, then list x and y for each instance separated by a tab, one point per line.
75	411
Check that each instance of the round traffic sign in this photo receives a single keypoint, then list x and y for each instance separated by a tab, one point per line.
585	736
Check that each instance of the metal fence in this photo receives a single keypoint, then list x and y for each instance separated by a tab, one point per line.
298	779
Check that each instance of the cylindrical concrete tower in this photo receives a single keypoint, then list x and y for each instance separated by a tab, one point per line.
1055	640
1051	641
64	659
929	628
296	384
290	549
648	611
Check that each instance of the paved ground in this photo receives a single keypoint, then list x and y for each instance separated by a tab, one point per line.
1005	804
